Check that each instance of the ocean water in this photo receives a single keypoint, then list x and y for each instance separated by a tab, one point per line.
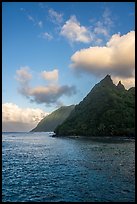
40	168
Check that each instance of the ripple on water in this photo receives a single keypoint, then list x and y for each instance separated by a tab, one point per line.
40	168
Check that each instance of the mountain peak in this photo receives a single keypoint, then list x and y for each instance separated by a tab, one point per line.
107	77
105	111
120	86
107	81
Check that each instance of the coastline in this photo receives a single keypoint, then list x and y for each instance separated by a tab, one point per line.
110	138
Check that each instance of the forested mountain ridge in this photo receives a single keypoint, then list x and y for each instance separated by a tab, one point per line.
51	121
108	110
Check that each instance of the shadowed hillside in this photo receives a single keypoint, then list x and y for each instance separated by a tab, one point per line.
106	111
50	122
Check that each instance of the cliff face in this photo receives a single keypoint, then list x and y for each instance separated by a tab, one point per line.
106	111
50	122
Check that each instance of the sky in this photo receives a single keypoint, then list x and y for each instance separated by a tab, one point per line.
53	53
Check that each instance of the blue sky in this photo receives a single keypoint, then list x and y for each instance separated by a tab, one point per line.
44	45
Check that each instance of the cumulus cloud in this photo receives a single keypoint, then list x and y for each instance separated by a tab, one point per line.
48	94
15	118
128	82
55	17
23	77
116	58
50	75
74	32
23	74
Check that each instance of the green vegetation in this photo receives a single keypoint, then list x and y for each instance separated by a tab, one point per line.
108	110
50	122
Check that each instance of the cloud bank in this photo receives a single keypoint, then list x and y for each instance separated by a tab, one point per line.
48	94
117	58
15	118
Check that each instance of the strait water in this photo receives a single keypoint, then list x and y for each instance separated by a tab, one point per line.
40	168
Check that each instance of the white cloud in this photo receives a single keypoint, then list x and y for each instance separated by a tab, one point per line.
128	82
26	118
48	94
100	29
116	58
55	17
50	75
107	17
23	74
74	32
47	36
103	26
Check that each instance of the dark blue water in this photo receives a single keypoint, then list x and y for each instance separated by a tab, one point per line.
37	167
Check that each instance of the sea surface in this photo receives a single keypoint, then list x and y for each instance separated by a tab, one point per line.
40	168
